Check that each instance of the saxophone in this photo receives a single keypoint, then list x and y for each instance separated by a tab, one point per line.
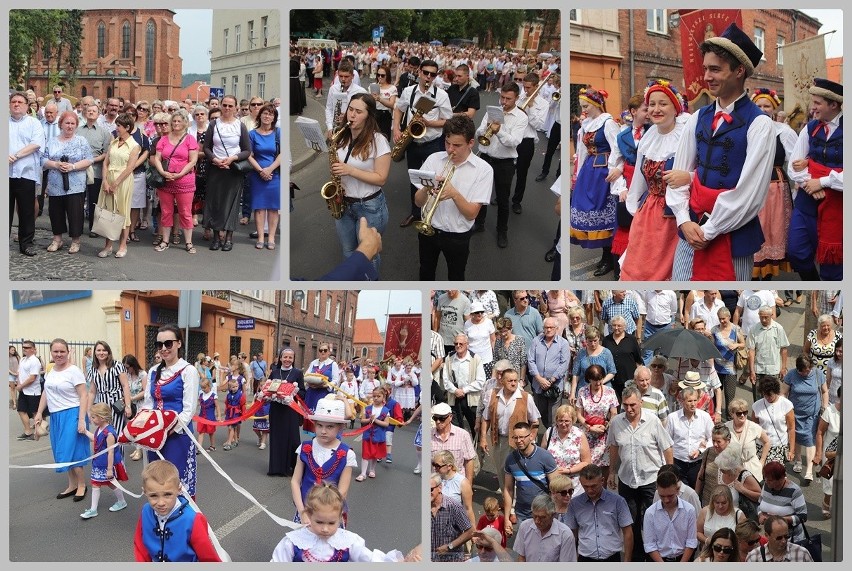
333	190
416	128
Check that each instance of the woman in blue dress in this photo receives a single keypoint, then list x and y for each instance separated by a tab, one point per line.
592	202
265	180
807	390
173	385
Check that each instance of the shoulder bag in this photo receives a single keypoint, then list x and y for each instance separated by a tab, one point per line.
153	178
108	223
544	487
241	166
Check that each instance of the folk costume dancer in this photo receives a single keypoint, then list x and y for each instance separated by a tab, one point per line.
729	145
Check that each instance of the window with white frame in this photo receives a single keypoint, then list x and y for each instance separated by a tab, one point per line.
237	37
251	34
349	319
657	21
574	15
235	82
337	312
264	29
304	304
316	304
288	297
261	85
226	31
779	48
760	40
249	94
328	308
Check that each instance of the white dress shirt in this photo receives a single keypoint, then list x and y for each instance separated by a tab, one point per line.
690	435
504	144
334	94
536	115
441	110
660	306
473	178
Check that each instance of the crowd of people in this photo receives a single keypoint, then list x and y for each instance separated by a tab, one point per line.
372	110
164	166
89	406
728	192
605	443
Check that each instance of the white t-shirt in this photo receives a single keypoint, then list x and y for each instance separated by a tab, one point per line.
30	366
321	454
356	188
771	417
61	390
750	302
479	338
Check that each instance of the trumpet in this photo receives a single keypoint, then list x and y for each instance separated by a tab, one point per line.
556	96
416	128
333	190
485	138
425	226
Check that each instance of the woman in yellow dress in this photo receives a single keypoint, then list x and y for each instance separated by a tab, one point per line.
118	167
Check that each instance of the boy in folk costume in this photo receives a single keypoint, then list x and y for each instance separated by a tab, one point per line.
728	147
816	169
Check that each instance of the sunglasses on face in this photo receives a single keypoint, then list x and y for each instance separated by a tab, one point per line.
433	488
565	493
381	75
323	350
163	124
256	104
438	466
741	413
722	549
144	109
429	73
227	106
167	343
752	541
437	418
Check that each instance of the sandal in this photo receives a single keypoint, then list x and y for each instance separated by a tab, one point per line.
826	509
105	252
176	239
372	474
190	248
143	225
157	239
133	237
54	246
211	448
121	253
360	478
162	246
270	245
226	447
259	245
74	248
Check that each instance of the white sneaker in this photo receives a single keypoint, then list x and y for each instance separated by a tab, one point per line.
117	506
417	470
797	467
262	446
89	514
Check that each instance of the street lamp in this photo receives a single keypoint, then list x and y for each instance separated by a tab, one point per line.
197	89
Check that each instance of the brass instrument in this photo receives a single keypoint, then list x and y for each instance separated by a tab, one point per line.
528	100
556	96
333	190
425	226
416	128
485	138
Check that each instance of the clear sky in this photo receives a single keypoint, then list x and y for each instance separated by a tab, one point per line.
374	304
831	20
196	31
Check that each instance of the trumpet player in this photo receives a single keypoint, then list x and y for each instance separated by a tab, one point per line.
501	153
339	96
460	199
363	166
552	126
434	120
534	105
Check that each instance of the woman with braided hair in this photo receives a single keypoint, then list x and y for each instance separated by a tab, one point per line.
592	202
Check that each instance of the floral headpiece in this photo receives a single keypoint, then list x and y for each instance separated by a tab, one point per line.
596	98
666	88
766	93
626	116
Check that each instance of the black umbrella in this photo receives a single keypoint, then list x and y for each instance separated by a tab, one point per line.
682	343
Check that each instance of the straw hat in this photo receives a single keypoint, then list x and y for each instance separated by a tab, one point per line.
692	380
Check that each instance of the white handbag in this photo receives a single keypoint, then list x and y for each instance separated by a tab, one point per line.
108	223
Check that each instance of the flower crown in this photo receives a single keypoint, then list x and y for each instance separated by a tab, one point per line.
769	94
668	89
596	98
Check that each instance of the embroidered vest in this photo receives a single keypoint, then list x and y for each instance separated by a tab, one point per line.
328	472
825	152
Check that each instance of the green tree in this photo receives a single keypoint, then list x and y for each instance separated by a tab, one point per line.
445	24
31	31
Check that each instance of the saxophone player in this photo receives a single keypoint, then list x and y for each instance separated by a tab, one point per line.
363	164
339	96
434	120
536	107
461	198
501	154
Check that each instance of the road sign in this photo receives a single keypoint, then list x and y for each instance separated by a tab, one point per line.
382	31
217	92
189	309
244	324
375	33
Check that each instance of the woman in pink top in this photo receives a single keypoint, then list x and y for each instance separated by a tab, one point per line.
181	153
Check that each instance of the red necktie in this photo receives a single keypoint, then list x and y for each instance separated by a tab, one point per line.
637	133
721	115
822	125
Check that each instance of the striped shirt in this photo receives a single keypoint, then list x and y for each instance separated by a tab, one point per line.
654	400
107	388
788	501
795	554
459	442
538	464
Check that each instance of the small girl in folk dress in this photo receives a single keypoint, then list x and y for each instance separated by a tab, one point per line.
235	407
373	445
106	466
324	541
325	458
403	389
207	410
395	411
261	425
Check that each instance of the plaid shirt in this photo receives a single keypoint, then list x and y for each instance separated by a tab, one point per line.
795	553
627	309
458	442
449	522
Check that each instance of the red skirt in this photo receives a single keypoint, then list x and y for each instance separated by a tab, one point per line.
653	237
373	450
205	428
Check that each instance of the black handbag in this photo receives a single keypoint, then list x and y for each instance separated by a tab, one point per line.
153	178
118	407
813	543
553	392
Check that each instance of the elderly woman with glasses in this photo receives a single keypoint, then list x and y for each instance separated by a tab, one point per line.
748	434
511	347
806	388
592	354
568	445
561	490
145	120
821	342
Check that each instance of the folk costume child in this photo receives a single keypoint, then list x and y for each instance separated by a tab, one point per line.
207	409
235	407
373	443
106	466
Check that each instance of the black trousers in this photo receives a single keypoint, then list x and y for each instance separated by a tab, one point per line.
638	501
454	246
526	150
66	214
463	411
385	121
415	155
504	170
92	192
544	406
553	140
615	557
22	194
689	471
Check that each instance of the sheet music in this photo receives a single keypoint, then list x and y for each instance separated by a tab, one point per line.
495	114
422	178
313	133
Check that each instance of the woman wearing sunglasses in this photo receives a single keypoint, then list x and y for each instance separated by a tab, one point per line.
723	547
453	484
385	100
749	435
174	386
561	490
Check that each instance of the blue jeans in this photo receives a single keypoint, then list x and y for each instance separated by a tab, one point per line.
649	329
376	213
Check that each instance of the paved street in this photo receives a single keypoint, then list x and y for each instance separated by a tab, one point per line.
244	262
385	511
315	246
792	319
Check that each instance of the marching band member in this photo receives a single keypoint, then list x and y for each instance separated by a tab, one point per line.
464	97
816	167
599	168
552	125
536	111
419	149
364	164
385	99
501	154
775	214
335	108
717	212
460	200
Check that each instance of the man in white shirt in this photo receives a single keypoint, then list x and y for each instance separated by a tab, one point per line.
26	140
461	199
501	153
107	120
717	211
29	388
691	430
62	103
536	110
338	98
661	309
418	150
464	377
708	308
